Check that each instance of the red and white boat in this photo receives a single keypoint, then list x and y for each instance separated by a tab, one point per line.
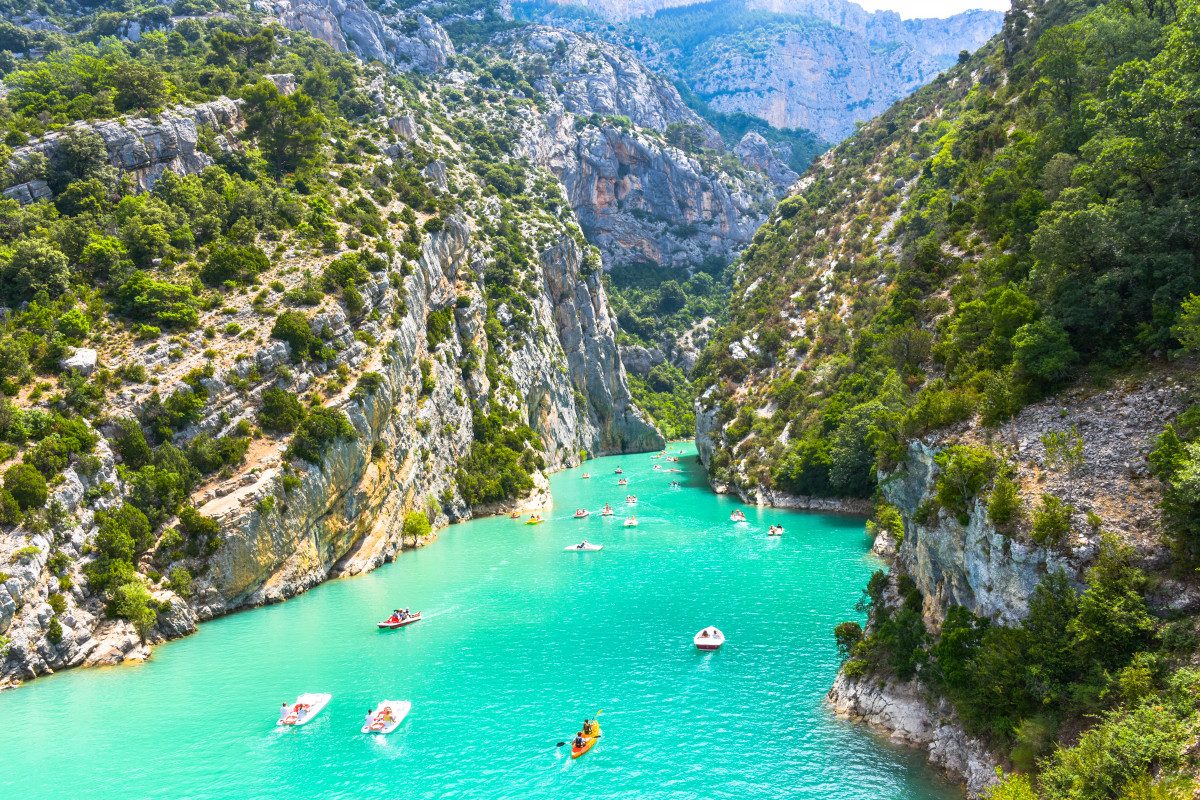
708	639
390	624
580	513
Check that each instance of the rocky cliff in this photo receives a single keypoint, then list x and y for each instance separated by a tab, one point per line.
141	148
545	355
401	41
818	65
826	78
638	197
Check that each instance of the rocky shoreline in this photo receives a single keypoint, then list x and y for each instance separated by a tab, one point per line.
909	715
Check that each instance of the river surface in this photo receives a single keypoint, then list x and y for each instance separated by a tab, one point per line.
520	642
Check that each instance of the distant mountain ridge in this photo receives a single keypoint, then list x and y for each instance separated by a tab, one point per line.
817	65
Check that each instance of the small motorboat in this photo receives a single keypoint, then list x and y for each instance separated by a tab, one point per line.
607	512
589	741
618	471
708	639
302	711
631	522
737	516
536	519
586	476
392	624
775	530
631	499
584	547
580	513
387	716
623	482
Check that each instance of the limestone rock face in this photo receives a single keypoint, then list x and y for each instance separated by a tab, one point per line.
909	715
993	573
825	78
143	147
639	199
594	77
755	153
402	41
820	65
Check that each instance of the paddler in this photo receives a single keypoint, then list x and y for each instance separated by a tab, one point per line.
579	741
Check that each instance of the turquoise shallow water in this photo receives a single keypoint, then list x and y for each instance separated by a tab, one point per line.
521	641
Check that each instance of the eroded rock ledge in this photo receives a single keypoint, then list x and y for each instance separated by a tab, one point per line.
908	715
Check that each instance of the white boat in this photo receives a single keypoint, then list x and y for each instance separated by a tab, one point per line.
631	499
382	722
584	547
304	709
708	639
607	512
631	522
580	513
737	516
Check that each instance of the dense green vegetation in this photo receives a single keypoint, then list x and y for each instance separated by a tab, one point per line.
103	263
1031	232
653	304
1077	656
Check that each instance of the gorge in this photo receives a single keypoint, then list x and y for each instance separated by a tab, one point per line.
289	287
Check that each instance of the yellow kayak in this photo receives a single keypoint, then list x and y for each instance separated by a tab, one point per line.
588	743
534	521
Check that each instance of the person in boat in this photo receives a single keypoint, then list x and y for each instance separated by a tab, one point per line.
588	727
579	741
386	714
370	720
284	711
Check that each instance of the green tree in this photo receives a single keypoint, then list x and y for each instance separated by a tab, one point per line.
26	485
290	129
35	266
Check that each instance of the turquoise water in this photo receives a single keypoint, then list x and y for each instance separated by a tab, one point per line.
520	643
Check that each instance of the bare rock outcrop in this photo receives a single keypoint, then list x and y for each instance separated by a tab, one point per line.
910	716
992	572
143	147
401	41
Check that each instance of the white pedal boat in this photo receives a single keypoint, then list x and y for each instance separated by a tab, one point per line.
582	513
708	639
631	522
380	724
583	547
306	707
